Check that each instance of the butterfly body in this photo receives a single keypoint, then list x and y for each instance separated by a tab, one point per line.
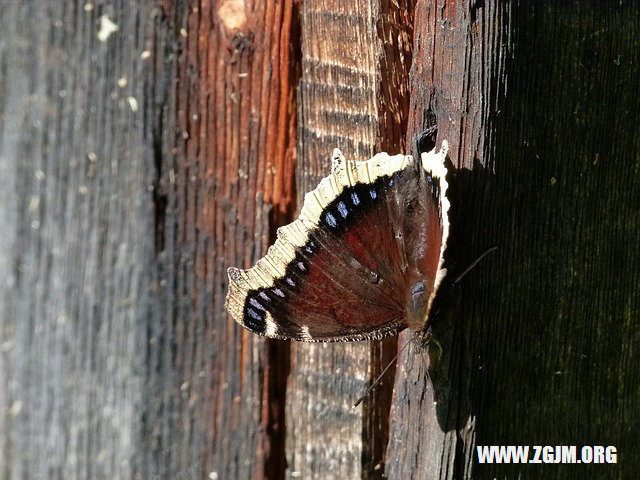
363	260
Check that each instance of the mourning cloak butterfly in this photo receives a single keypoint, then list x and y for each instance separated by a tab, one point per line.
363	260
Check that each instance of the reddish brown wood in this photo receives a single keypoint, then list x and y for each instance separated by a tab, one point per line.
233	164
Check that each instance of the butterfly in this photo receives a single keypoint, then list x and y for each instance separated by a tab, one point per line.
363	260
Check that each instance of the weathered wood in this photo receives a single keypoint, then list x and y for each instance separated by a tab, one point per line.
538	340
455	74
135	169
337	107
352	96
77	249
559	358
234	150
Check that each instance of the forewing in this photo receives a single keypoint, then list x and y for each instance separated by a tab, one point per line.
337	272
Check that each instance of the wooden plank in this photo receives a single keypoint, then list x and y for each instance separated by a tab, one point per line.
352	96
77	250
557	362
537	341
137	171
229	181
454	75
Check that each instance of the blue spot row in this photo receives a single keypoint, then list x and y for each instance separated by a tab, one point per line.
352	202
336	217
274	298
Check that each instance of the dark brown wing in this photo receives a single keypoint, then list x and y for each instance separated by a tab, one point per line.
341	271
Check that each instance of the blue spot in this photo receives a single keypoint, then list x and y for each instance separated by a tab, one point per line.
256	303
342	208
331	220
290	281
301	267
255	315
264	296
373	194
391	182
355	199
278	292
310	248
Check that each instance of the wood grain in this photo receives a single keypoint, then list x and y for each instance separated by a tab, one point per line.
138	169
135	169
455	73
535	340
77	249
352	95
233	162
555	350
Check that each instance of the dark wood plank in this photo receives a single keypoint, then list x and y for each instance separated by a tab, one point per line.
454	75
557	363
537	341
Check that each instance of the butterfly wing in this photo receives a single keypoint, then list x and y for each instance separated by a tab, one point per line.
426	229
341	271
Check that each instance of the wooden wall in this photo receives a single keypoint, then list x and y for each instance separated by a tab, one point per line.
147	146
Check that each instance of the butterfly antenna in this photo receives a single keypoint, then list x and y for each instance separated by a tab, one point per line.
475	262
377	380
